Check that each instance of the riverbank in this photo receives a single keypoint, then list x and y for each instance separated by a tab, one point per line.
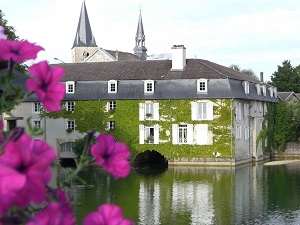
281	162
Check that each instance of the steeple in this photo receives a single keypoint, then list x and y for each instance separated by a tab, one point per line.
140	49
84	36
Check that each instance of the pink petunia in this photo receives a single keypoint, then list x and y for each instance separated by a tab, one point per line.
2	35
55	213
18	51
45	83
106	215
26	165
111	155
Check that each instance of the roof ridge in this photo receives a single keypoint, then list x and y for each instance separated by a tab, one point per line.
201	61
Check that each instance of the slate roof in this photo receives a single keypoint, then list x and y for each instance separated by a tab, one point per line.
284	96
149	69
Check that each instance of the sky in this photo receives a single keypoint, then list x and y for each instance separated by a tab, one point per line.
257	34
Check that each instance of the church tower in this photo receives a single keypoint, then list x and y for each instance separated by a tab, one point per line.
84	43
140	49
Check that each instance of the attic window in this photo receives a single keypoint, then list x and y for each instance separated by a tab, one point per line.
246	87
149	86
70	87
112	86
275	92
202	86
258	89
271	91
264	90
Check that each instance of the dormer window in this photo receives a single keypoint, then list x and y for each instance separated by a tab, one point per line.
70	87
202	86
246	87
275	92
271	91
148	86
258	89
264	90
112	86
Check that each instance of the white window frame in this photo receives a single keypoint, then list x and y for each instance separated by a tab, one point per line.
238	111
111	125
35	122
70	106
203	136
149	89
258	89
70	87
246	87
71	124
264	90
246	109
36	107
238	132
176	133
202	86
247	133
271	91
275	92
197	109
111	105
67	147
112	86
143	111
145	131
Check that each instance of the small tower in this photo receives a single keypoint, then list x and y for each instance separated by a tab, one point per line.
84	43
140	49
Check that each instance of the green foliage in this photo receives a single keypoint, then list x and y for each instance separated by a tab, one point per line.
94	115
79	145
248	72
286	78
286	128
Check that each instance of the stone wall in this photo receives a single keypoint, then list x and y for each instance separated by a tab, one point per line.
292	148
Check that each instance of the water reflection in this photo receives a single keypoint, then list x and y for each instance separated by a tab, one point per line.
250	194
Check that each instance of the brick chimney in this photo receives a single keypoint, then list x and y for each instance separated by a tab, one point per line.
178	57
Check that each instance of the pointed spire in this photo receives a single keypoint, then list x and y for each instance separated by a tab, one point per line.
140	49
84	36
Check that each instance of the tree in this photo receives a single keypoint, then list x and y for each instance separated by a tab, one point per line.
286	78
8	30
248	72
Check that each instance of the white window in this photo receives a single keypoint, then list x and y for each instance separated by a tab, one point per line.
111	125
203	136
246	86
264	90
149	111
70	106
111	105
202	110
238	111
36	123
247	133
201	86
271	91
238	132
246	109
112	86
36	107
182	133
275	92
149	134
148	86
67	147
258	89
71	124
70	87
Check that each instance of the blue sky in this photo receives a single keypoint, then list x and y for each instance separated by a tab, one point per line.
257	34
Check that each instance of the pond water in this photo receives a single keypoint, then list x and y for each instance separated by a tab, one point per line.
249	194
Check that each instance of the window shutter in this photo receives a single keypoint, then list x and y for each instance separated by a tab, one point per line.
107	107
210	110
194	110
142	134
156	111
156	134
175	134
190	134
202	134
141	111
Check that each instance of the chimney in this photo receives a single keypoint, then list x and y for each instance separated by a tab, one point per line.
178	57
261	77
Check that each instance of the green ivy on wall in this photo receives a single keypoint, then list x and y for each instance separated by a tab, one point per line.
94	115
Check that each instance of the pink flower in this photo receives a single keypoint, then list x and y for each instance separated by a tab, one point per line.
55	213
107	215
111	155
46	85
25	165
2	35
18	51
